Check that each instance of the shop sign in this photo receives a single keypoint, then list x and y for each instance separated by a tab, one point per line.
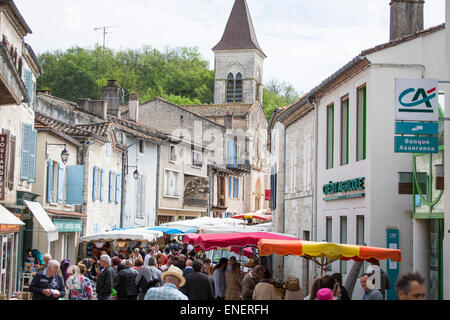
66	225
267	195
416	100
3	157
416	144
343	187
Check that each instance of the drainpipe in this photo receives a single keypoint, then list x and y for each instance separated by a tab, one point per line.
316	143
122	191
158	165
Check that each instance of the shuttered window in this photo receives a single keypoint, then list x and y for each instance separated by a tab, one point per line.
60	184
74	185
94	184
140	197
25	154
50	180
229	187
28	80
102	185
230	153
111	186
118	183
32	158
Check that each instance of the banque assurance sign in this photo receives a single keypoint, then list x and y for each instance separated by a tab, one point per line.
416	100
344	189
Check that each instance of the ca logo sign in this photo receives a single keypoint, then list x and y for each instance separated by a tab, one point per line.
374	280
424	96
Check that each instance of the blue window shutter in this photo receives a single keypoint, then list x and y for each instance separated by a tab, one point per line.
25	154
94	184
102	185
234	156
28	80
74	185
230	153
117	188
32	157
49	180
110	194
60	182
229	187
237	187
238	156
107	149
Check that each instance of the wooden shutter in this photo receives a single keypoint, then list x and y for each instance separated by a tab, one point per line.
60	182
229	187
102	184
74	185
49	180
111	180
94	184
28	79
230	153
32	158
118	182
25	156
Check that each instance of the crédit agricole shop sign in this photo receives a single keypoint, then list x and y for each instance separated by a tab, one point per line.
344	189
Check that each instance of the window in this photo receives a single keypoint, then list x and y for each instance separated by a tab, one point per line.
344	130
229	187
360	239
197	158
112	186
171	183
361	114
141	146
330	135
343	240
173	153
140	197
55	181
234	88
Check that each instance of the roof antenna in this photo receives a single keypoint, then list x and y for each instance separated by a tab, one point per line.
104	44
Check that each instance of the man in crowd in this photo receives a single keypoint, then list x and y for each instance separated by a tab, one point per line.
47	257
385	283
369	294
105	279
47	284
125	282
411	287
188	269
173	280
250	281
198	285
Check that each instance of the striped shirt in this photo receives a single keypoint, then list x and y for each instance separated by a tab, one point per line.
167	292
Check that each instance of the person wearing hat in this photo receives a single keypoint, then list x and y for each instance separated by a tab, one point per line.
325	294
173	280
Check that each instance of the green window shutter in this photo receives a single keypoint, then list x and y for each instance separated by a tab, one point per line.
74	185
94	184
49	180
25	154
60	182
32	156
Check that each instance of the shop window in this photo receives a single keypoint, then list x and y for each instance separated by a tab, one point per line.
172	153
343	240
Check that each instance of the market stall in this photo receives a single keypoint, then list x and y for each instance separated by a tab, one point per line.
324	253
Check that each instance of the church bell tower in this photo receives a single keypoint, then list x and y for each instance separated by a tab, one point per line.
239	60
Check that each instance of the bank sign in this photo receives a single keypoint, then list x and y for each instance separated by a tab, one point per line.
341	189
416	100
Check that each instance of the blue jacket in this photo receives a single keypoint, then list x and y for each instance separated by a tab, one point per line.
41	281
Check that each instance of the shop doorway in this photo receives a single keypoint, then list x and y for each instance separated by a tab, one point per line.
6	262
435	259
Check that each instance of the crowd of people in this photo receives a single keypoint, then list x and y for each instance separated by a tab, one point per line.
177	273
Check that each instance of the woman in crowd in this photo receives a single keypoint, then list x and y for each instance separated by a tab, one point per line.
79	286
233	283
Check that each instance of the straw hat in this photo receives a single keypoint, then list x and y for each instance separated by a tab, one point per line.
176	272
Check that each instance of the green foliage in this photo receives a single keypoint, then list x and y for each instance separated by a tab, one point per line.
277	95
175	74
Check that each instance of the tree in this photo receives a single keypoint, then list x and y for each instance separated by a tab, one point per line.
277	95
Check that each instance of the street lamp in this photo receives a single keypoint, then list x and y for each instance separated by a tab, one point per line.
135	173
64	153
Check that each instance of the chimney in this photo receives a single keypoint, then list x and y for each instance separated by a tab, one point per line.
133	105
406	17
111	94
96	107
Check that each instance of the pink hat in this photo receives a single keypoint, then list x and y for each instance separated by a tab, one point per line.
325	294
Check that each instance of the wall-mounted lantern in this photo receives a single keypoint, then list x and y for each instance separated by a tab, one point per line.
64	153
135	173
439	173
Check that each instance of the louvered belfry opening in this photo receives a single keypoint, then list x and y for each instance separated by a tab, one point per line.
234	88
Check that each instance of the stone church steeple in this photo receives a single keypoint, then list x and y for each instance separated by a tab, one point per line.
238	60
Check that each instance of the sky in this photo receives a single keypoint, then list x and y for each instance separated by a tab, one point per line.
305	40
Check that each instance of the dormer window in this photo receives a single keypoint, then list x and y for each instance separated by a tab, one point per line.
234	88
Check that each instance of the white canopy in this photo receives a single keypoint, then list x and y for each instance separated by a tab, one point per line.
132	234
231	229
43	219
6	217
206	221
